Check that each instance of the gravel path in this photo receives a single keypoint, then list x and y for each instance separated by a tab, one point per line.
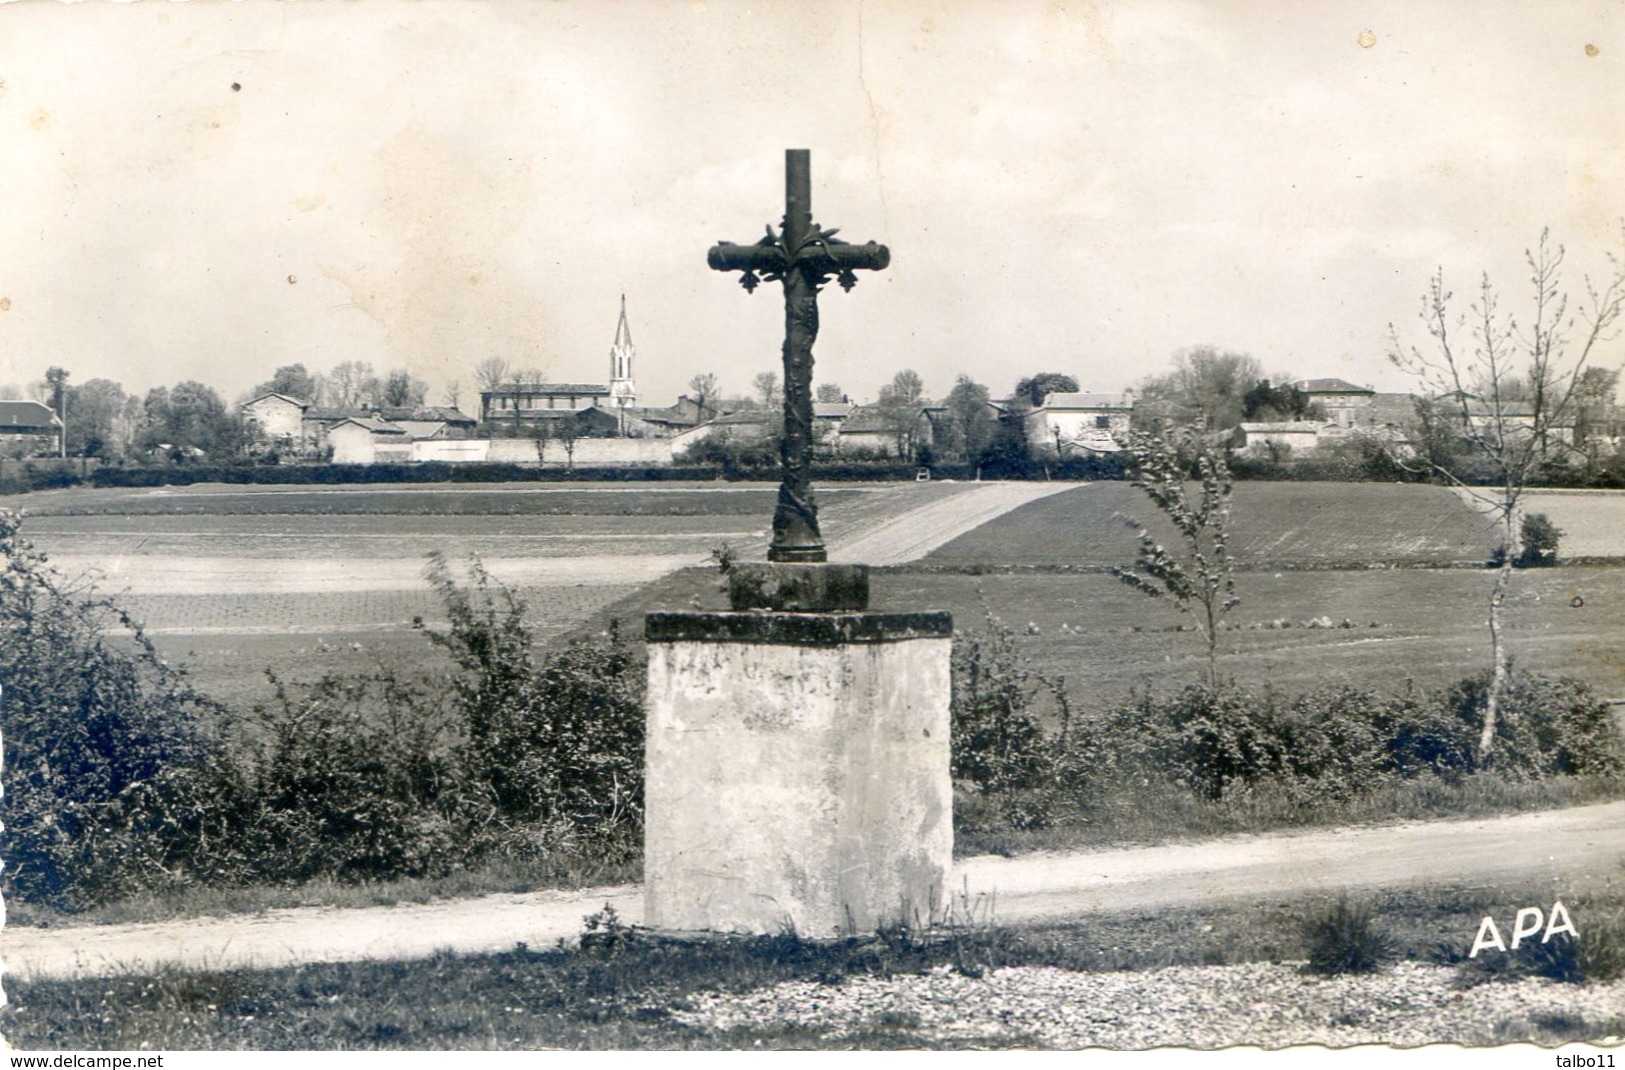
1574	842
1263	1004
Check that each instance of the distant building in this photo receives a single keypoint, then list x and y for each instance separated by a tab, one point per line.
277	419
365	440
29	426
623	392
1081	422
520	402
1346	405
1299	436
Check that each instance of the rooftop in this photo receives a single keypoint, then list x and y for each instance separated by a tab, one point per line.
1331	386
1085	400
27	416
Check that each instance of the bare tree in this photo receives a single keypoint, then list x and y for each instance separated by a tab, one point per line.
349	382
1511	389
453	392
766	385
703	388
491	373
829	393
901	403
404	390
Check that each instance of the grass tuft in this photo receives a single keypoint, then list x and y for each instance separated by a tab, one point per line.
1346	938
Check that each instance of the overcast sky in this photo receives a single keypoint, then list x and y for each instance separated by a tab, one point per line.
1082	188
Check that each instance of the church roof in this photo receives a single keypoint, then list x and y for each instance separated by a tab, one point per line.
544	389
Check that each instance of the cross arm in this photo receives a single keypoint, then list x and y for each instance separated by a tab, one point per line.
838	256
726	256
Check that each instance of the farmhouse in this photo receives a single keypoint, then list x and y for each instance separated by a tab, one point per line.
366	439
29	425
1298	436
1081	422
880	431
276	419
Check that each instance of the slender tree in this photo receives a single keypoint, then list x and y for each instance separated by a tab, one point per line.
1198	574
1511	388
57	379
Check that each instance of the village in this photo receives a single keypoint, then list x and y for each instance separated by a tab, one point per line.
351	417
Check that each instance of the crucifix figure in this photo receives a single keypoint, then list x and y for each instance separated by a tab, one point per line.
802	257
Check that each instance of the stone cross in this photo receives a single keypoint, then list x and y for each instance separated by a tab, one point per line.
803	257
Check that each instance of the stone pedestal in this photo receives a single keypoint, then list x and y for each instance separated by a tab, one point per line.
797	768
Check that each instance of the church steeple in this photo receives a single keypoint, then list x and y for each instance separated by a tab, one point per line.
622	390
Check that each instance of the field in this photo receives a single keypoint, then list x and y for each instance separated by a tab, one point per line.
1335	578
1319	525
231	581
1339	592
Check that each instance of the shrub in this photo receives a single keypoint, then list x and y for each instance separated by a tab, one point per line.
353	779
93	734
998	744
556	746
1540	539
1548	727
1346	938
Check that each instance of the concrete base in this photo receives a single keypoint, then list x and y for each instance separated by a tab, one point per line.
797	771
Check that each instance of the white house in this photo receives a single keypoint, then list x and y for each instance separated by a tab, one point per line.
1299	436
364	440
1070	423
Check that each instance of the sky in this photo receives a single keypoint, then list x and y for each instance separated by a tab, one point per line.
210	190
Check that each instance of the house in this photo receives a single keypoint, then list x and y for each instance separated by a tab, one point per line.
750	426
1270	439
672	420
517	402
1079	422
1346	405
30	426
366	439
885	431
458	424
276	419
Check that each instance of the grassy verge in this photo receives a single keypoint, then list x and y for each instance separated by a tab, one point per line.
621	989
1153	813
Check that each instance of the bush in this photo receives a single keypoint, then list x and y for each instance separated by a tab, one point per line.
558	746
1548	727
1540	538
93	734
998	744
355	779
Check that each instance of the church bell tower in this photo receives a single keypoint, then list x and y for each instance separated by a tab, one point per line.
622	391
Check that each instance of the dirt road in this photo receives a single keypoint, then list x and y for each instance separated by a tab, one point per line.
918	532
1560	846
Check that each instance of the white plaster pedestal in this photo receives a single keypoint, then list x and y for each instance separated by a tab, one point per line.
797	771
